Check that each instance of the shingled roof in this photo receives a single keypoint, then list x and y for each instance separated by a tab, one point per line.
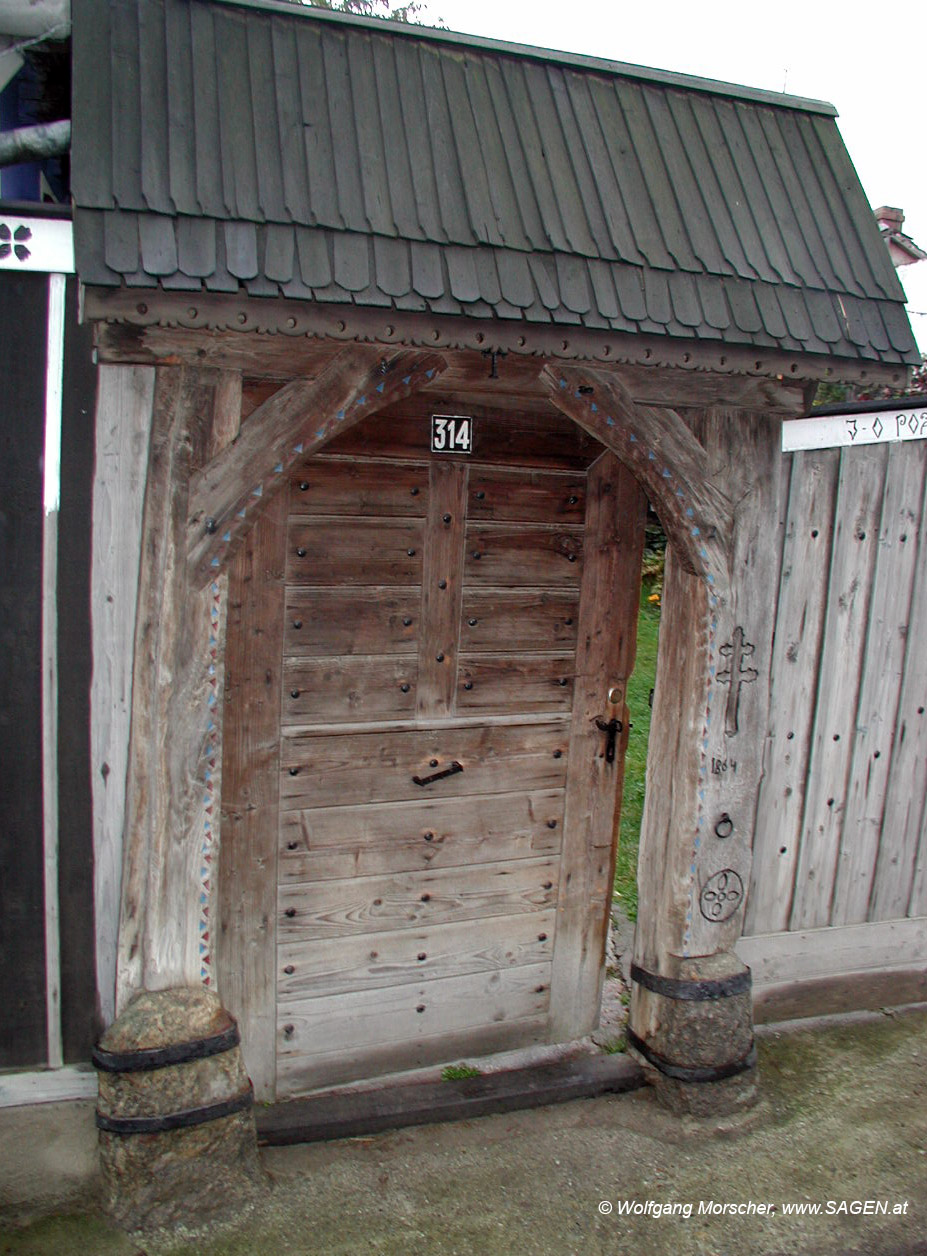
276	150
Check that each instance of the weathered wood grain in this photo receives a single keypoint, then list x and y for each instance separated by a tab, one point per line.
342	769
329	486
123	417
171	689
304	415
887	640
857	513
441	589
347	690
526	497
807	954
899	887
468	371
614	544
301	1074
411	836
345	621
307	970
355	551
658	447
521	620
510	555
502	437
744	450
354	1023
246	939
500	684
796	655
368	905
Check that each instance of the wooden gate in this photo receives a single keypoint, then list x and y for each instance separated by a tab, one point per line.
427	661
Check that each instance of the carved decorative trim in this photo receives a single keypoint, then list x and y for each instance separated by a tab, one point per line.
215	312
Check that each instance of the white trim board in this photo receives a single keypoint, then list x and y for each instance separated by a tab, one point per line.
43	244
874	427
809	954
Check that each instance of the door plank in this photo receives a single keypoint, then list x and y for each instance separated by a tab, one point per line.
366	905
526	496
367	620
514	619
325	486
298	1074
341	769
335	690
614	542
441	589
509	555
353	1022
312	970
332	842
348	551
497	684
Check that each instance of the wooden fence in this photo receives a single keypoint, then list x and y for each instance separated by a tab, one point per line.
840	859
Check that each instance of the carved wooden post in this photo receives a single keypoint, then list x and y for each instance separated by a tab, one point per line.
174	747
691	1010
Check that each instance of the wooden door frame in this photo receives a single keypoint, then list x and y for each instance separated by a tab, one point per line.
207	486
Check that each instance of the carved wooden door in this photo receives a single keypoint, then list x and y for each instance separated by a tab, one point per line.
457	633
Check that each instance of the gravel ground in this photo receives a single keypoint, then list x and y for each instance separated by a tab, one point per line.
842	1120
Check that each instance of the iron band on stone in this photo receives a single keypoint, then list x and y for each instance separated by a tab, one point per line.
683	1073
176	1120
143	1060
693	989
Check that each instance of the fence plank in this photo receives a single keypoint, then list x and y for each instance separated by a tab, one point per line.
880	687
900	861
859	500
796	652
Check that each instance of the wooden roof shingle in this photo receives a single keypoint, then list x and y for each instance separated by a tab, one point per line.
282	150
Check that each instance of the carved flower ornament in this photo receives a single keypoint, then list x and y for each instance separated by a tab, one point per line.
19	235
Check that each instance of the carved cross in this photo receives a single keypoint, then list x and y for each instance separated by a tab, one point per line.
736	675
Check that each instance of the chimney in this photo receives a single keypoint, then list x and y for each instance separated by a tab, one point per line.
889	219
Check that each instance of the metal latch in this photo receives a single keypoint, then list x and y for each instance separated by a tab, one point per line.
611	730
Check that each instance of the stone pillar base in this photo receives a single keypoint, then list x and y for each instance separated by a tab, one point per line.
177	1135
698	1042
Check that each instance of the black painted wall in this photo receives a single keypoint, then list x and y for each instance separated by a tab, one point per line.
23	317
75	836
23	324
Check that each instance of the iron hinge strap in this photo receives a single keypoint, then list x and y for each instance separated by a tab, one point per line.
176	1120
147	1058
685	1073
693	989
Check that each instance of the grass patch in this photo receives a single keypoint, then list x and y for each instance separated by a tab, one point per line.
618	1046
459	1072
635	767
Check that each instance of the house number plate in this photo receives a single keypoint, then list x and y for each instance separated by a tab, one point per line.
451	434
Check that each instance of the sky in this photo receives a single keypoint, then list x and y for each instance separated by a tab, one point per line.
870	62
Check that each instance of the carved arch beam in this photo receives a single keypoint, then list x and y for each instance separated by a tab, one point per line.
664	455
227	496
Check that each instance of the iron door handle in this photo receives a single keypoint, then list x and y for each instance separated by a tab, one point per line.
611	729
439	776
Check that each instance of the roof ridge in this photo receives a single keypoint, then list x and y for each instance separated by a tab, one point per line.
575	60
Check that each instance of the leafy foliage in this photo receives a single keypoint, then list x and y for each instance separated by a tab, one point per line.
834	394
640	687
